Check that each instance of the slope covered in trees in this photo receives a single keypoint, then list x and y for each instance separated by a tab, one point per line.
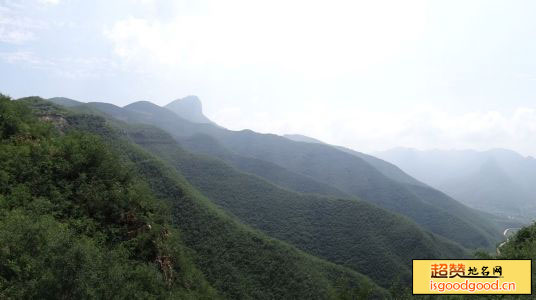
205	144
389	170
116	222
429	208
339	170
75	222
345	231
522	246
348	232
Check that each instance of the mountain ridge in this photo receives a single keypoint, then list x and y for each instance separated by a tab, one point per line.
341	170
499	181
218	243
189	108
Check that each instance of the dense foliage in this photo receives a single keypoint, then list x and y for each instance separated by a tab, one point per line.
76	223
429	208
205	144
348	232
238	262
522	246
330	166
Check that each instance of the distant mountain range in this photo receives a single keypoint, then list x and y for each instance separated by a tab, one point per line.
498	181
262	215
314	216
317	168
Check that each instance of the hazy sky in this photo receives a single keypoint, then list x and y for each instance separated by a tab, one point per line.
369	75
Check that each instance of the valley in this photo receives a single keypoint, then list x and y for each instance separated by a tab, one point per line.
235	196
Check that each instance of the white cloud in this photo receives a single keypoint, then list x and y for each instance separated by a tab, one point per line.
426	128
271	49
17	24
26	58
355	73
65	67
13	36
137	40
309	37
49	2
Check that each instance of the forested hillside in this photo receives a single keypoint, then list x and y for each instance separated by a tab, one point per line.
348	232
128	226
522	246
429	208
205	144
236	150
339	170
345	231
395	173
387	169
75	222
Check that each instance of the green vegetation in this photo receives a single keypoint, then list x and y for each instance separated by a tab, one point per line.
427	207
76	223
522	246
283	194
348	232
361	176
341	171
86	214
205	144
239	261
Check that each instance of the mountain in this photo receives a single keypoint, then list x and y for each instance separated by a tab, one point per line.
387	169
189	108
322	226
498	181
302	138
205	144
340	170
76	223
65	101
198	138
344	231
87	213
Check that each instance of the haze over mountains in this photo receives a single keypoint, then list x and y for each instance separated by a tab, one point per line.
248	205
189	108
499	181
159	149
309	165
86	212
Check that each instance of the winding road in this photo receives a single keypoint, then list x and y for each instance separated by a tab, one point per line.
507	238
